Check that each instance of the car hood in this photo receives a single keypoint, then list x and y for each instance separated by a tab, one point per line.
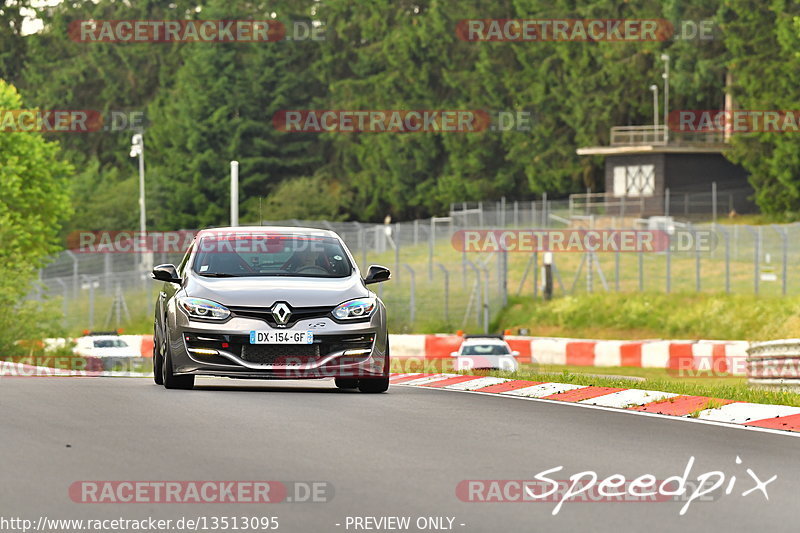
265	291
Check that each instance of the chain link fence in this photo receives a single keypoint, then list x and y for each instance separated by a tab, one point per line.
437	288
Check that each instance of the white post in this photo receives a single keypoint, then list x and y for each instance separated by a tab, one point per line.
654	89
143	208
665	75
234	193
137	149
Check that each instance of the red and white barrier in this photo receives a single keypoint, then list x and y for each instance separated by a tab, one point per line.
695	356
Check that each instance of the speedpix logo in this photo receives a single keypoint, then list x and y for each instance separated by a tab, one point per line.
587	486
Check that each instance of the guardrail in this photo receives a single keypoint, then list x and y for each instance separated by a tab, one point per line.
638	135
774	363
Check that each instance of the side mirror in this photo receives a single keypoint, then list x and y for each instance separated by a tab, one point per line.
515	354
453	354
377	274
166	273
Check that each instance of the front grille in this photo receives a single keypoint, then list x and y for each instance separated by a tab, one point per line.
298	313
280	354
272	354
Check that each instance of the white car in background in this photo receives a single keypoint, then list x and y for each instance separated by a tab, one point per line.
105	346
485	352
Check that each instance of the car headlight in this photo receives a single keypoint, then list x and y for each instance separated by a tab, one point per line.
205	309
359	308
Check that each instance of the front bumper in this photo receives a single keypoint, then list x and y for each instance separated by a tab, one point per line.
355	350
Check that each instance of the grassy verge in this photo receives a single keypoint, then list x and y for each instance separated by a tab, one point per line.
659	379
726	388
656	315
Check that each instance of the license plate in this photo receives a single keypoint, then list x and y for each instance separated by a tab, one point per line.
281	337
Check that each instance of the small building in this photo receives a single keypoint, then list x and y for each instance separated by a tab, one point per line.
646	173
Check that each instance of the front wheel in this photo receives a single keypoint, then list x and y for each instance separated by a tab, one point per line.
381	384
373	385
158	359
346	383
171	381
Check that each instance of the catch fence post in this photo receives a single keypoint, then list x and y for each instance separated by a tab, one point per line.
446	292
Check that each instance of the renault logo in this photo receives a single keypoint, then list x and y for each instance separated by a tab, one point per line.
281	312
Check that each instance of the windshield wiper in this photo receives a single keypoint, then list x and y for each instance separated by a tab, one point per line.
217	275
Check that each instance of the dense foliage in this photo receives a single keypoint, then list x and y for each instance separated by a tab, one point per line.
209	103
34	202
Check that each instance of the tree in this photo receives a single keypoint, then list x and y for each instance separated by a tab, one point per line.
763	41
12	42
62	73
220	108
34	202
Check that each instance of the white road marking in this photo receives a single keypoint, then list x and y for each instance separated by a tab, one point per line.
628	397
544	389
478	383
742	413
428	379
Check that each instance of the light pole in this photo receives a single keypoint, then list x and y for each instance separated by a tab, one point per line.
665	75
654	90
137	149
234	193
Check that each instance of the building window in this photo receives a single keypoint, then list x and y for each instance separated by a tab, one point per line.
634	180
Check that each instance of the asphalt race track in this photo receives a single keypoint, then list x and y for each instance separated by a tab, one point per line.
396	454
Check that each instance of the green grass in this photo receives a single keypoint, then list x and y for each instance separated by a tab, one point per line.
140	309
753	220
656	315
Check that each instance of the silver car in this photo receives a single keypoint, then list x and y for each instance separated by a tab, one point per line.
270	302
485	352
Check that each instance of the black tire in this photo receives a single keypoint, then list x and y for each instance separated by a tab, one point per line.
158	359
171	381
377	385
346	383
373	385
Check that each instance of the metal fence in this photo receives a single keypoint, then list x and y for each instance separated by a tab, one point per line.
435	287
698	205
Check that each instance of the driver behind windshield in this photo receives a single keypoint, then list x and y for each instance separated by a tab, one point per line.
276	257
305	259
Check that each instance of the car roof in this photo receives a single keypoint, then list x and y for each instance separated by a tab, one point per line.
484	340
285	230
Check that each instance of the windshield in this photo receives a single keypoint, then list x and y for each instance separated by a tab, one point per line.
271	255
485	349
